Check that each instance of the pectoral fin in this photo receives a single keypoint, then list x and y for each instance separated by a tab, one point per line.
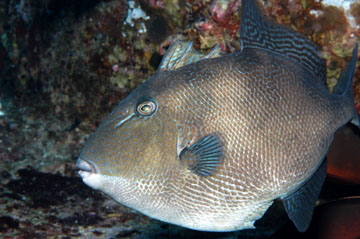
300	205
204	156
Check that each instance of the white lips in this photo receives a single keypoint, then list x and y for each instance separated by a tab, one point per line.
84	174
86	170
89	173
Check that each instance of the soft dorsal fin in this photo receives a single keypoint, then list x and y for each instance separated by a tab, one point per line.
344	87
258	32
345	81
181	53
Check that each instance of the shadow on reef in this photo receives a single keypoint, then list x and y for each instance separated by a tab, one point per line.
46	190
44	194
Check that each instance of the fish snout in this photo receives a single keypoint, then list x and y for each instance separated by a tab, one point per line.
86	168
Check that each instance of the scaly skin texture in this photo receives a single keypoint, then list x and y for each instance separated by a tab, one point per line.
275	119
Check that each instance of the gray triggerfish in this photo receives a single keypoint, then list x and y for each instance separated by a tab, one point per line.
209	142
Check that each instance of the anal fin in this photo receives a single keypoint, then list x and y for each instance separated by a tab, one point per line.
300	205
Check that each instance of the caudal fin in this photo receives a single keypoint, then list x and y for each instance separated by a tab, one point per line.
344	87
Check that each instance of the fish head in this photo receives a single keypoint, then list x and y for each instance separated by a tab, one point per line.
133	154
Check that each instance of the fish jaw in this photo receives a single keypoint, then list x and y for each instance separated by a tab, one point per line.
107	184
89	174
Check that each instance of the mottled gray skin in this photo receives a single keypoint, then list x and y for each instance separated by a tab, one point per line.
276	121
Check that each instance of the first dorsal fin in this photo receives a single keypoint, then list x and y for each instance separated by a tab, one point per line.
258	32
181	53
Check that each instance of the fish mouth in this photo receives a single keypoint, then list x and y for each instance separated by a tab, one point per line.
86	168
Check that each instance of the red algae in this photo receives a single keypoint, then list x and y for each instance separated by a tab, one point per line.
333	22
355	11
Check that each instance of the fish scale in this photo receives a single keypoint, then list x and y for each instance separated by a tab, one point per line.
224	135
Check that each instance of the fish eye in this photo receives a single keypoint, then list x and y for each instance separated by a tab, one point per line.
146	108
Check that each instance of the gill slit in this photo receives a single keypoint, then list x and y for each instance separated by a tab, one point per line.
178	149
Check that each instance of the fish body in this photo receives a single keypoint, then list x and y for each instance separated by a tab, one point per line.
210	141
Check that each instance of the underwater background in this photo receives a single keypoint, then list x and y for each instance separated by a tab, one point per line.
64	65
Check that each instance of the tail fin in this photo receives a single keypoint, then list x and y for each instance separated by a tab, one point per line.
344	87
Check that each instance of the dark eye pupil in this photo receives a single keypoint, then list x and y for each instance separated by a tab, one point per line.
146	108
